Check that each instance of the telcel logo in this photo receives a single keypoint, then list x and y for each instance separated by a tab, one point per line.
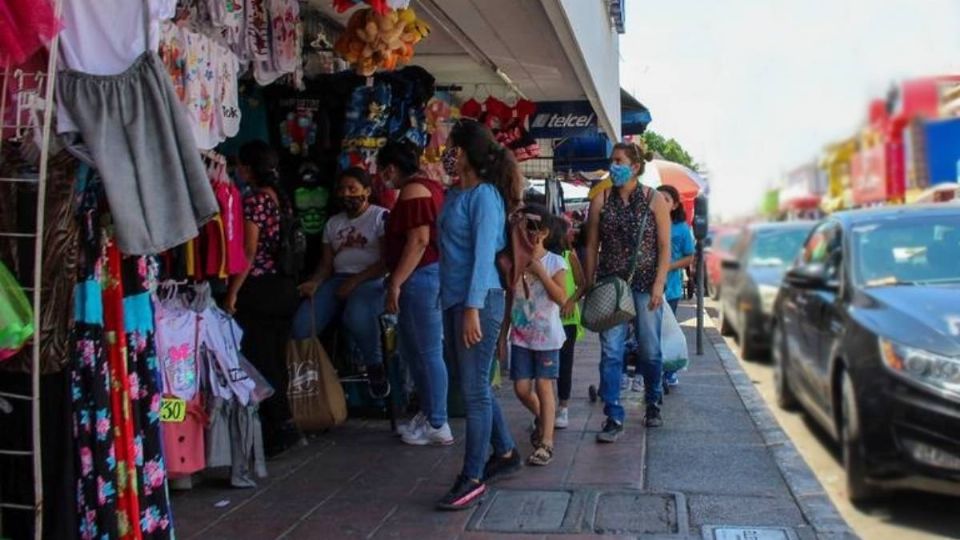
559	120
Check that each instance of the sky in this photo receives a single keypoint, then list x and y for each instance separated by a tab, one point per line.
754	88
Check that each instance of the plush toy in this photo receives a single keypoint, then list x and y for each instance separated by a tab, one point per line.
373	41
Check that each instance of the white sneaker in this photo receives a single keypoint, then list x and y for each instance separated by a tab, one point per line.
563	418
637	385
625	381
418	420
428	435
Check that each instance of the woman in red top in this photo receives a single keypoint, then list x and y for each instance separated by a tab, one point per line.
413	289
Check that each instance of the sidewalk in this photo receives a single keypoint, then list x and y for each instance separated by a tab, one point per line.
720	462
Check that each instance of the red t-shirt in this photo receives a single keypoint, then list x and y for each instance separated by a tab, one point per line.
410	214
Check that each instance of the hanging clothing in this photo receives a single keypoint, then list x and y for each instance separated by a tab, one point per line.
25	26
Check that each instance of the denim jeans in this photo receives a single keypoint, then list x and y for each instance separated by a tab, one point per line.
420	325
361	312
612	345
485	423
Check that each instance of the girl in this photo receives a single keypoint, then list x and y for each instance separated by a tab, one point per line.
681	257
472	231
537	333
560	242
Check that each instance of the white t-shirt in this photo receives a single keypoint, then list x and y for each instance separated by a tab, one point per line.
536	320
355	242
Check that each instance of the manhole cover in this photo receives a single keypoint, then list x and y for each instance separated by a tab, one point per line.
726	532
525	511
635	513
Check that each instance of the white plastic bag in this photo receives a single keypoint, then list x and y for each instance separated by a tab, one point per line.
673	344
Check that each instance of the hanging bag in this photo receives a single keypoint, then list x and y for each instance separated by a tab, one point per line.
316	397
609	302
673	344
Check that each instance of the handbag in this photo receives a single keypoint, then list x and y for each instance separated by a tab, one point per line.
609	302
316	397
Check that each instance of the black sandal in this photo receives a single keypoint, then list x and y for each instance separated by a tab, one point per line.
543	455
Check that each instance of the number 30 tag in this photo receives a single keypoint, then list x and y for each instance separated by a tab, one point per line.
172	410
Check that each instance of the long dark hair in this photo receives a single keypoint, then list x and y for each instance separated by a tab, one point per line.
490	160
558	241
263	163
403	154
678	214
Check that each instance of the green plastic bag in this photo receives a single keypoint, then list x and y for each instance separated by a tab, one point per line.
16	316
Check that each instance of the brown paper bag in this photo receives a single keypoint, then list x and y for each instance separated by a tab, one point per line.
314	391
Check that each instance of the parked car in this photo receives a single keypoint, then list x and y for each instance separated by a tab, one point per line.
719	246
751	280
866	337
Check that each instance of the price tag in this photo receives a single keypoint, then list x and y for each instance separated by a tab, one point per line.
172	410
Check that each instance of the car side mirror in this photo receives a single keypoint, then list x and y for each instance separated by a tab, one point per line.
811	276
730	264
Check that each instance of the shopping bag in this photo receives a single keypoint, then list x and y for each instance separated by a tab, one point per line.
316	396
673	344
16	315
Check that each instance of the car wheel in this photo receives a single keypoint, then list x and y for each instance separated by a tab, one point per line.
851	444
748	351
786	399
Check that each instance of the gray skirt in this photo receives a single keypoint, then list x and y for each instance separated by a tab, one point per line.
142	144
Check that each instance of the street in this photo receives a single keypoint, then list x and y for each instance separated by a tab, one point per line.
906	516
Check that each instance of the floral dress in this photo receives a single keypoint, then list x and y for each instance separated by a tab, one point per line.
260	209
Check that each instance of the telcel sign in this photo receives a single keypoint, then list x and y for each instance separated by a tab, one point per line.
560	119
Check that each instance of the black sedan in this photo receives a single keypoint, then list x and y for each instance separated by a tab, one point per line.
751	278
866	337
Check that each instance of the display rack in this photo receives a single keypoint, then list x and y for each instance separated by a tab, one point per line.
45	91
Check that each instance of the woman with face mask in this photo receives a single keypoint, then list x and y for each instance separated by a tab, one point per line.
628	235
349	278
412	257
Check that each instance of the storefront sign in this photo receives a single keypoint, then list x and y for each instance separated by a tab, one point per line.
561	119
868	175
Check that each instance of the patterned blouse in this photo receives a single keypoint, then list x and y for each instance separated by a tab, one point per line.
260	209
619	226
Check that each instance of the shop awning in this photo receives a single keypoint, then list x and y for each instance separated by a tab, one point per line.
544	50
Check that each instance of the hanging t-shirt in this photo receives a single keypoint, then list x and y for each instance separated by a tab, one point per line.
536	320
355	242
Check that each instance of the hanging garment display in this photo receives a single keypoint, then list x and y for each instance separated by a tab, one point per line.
16	315
25	26
510	124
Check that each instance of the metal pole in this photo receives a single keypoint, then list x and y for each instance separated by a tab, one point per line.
700	272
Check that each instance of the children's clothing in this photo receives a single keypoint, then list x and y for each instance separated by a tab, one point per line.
526	364
536	319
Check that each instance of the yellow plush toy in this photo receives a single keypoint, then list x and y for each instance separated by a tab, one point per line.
372	41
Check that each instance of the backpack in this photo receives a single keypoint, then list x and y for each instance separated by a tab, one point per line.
512	261
293	244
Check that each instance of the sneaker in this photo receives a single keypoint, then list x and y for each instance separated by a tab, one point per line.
653	418
672	378
637	385
563	418
611	431
502	467
625	381
425	435
418	420
465	493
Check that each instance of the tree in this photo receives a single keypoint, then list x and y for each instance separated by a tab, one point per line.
669	149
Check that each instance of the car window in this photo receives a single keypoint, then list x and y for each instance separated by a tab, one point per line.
824	241
775	247
726	241
908	250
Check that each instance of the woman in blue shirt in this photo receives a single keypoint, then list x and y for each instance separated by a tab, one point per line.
472	231
681	257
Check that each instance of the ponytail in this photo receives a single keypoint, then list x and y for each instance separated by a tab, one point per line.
490	160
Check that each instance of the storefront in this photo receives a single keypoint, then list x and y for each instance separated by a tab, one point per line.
801	192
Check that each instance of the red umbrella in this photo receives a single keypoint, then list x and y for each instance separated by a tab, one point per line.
688	182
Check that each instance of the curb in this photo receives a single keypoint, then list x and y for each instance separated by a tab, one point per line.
812	499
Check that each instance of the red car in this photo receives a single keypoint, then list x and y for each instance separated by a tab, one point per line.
719	244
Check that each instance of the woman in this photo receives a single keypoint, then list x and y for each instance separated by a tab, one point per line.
349	278
575	287
628	235
681	257
472	231
413	289
261	298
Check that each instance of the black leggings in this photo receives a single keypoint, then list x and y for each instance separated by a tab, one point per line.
565	381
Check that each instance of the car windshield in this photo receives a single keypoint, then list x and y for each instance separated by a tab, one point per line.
776	247
908	251
726	241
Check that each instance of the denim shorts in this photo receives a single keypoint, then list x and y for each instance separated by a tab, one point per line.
526	364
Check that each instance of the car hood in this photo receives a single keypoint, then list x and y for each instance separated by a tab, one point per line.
927	317
767	275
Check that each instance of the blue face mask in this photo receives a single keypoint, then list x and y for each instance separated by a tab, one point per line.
620	174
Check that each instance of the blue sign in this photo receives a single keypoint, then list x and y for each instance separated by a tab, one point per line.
562	119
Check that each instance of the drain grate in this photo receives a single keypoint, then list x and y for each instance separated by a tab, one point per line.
636	513
728	532
525	511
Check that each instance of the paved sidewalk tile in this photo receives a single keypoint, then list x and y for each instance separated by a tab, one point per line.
360	481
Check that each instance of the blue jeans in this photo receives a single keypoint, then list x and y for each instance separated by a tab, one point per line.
420	325
361	312
612	344
485	423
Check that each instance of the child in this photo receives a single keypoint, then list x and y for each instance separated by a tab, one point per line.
537	334
681	256
560	242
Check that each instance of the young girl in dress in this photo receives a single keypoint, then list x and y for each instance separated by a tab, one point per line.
537	334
